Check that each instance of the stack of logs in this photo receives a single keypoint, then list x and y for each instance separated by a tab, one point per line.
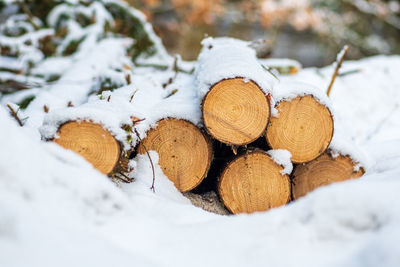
230	150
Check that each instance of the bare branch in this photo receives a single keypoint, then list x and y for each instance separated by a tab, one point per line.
339	62
15	115
151	161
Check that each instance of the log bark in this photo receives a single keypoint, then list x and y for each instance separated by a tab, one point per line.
96	145
322	171
235	111
303	126
185	152
253	182
208	201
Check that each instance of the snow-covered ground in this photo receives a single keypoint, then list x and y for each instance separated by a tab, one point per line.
56	210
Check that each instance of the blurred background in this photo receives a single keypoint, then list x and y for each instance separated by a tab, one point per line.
310	31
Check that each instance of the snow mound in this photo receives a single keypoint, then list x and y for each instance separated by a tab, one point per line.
88	219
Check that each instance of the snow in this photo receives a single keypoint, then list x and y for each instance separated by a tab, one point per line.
282	157
150	102
98	57
342	53
288	90
25	46
365	103
223	58
280	62
57	210
342	145
76	82
78	216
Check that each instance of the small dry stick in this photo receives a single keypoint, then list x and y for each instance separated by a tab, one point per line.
339	61
234	149
151	162
14	114
172	93
270	71
28	13
134	93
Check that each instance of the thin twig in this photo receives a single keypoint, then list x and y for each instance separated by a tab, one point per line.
381	123
14	114
342	74
171	93
151	161
123	177
339	62
134	93
234	149
175	66
270	71
163	67
175	69
28	13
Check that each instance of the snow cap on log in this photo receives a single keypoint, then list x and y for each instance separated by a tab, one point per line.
224	58
234	90
342	146
146	99
288	90
302	121
282	157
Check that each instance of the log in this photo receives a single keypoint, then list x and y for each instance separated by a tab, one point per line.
208	201
302	126
234	90
96	145
322	171
235	111
253	182
185	152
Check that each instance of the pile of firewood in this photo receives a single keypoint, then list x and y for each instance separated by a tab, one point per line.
232	152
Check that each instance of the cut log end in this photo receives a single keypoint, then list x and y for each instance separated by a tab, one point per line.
303	126
185	153
236	112
322	171
253	182
91	141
